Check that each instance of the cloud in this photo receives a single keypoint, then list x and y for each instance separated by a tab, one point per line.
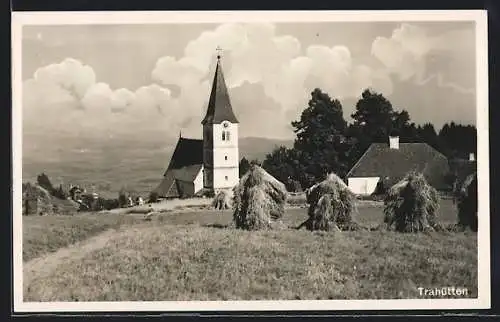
257	61
70	75
410	53
66	94
255	54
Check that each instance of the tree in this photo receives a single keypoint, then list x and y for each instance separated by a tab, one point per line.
244	166
427	133
459	140
282	163
375	118
153	197
44	182
321	145
122	197
60	193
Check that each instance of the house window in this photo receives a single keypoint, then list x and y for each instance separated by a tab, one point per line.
225	178
227	135
225	157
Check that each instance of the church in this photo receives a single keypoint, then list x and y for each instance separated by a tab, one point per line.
212	163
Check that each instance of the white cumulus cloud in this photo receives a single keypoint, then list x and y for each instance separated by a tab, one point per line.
409	52
256	54
66	95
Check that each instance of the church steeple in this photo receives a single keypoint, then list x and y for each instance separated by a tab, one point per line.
219	106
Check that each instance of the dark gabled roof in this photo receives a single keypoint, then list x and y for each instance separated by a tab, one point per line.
188	173
185	164
187	152
381	161
167	187
219	106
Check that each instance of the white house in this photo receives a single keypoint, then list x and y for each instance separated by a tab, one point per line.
213	162
390	162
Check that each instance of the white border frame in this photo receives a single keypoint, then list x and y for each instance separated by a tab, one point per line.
19	19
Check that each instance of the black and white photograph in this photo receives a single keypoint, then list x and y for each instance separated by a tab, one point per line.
197	161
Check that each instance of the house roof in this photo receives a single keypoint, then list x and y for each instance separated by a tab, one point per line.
380	160
219	106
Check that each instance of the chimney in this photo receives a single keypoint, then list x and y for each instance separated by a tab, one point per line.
394	142
472	157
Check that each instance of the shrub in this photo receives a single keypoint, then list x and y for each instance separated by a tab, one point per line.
153	197
467	203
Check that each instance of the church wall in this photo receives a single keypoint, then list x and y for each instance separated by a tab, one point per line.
226	157
226	178
217	135
198	181
221	156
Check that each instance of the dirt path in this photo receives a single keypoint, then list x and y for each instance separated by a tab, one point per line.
43	266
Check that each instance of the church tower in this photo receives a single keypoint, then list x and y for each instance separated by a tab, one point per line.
220	138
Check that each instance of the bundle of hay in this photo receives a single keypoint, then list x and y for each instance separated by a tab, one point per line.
411	205
467	203
222	200
37	200
331	205
259	200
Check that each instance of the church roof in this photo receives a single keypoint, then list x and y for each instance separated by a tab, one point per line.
219	106
187	152
187	173
167	187
185	164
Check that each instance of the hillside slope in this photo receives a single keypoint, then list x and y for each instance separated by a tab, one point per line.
164	262
112	163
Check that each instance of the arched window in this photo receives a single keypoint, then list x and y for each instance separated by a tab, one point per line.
223	135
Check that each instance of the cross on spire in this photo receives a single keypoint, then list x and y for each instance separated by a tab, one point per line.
219	52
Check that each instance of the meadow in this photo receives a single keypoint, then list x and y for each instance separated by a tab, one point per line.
188	254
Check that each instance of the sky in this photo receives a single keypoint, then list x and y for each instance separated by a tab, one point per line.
154	80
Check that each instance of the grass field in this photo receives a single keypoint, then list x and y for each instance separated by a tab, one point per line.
186	255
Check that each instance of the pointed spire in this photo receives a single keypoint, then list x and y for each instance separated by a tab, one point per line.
219	106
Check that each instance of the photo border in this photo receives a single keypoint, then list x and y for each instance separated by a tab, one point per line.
20	19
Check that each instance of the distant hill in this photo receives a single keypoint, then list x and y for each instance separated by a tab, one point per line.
108	164
257	148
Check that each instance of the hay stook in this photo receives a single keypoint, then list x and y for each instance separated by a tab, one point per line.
467	203
331	206
222	200
412	205
259	201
